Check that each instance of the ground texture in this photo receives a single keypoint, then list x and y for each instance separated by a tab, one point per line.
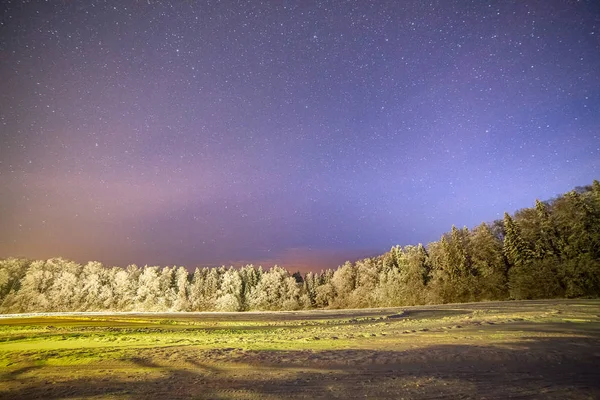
525	350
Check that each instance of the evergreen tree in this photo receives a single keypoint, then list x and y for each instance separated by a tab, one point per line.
516	251
489	262
182	288
344	282
366	282
124	287
168	289
231	291
325	293
549	250
12	272
546	243
310	286
529	277
277	290
197	290
149	294
451	268
32	295
211	288
250	278
65	293
414	274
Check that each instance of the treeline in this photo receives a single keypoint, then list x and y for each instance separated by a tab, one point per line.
548	251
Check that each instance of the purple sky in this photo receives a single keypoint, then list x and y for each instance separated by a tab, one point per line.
298	133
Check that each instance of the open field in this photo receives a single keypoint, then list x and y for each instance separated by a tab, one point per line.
534	349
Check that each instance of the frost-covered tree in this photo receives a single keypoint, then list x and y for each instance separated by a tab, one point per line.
124	287
182	289
276	290
344	283
66	292
168	289
148	291
325	293
12	272
196	295
309	284
96	292
489	264
364	293
250	278
230	293
33	293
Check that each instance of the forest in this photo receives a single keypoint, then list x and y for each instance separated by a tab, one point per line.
551	250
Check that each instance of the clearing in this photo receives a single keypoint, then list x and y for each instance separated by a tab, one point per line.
527	349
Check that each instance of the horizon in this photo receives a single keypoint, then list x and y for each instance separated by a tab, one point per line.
295	260
295	135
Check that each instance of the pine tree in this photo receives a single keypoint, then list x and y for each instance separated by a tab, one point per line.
124	287
211	289
250	278
168	289
366	273
344	282
148	292
516	251
12	272
230	292
32	295
310	285
277	290
325	291
547	241
197	289
66	292
182	289
489	262
414	274
529	277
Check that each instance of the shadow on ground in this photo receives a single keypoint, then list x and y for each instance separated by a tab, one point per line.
555	368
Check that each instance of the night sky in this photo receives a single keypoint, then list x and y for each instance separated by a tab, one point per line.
300	133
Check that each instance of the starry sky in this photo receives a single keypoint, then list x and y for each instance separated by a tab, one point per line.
303	133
